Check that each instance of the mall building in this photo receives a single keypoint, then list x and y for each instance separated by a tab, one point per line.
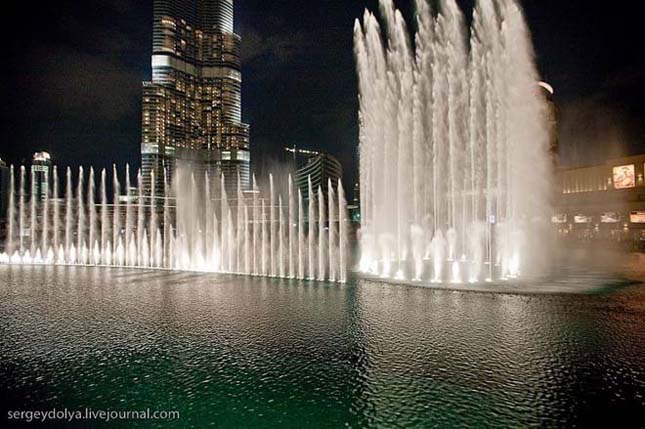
605	202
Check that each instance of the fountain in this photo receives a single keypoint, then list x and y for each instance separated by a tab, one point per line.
190	225
454	155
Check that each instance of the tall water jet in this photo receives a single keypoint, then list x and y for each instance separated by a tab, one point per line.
21	210
166	219
273	228
281	244
312	230
265	240
69	218
449	126
153	218
247	243
240	229
130	257
227	229
256	229
32	215
44	238
291	231
331	241
56	220
208	220
194	237
342	233
91	210
158	250
116	209
217	244
80	215
11	214
302	249
323	250
141	219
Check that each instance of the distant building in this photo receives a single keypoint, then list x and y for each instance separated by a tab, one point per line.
355	207
320	167
552	121
192	108
602	201
41	172
4	189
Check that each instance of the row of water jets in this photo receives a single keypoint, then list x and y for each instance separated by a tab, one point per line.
191	224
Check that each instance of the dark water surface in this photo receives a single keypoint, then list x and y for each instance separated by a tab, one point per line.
232	352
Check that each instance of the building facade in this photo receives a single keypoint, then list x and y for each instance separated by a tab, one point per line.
41	173
317	166
551	121
602	201
192	107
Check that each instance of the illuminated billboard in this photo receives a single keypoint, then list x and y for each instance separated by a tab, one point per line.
624	177
582	219
610	217
637	217
561	218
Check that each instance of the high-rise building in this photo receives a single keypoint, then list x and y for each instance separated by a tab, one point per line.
551	121
192	108
41	168
318	167
4	189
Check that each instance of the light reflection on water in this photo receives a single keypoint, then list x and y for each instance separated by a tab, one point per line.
268	353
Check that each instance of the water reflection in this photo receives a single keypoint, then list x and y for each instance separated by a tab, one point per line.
257	352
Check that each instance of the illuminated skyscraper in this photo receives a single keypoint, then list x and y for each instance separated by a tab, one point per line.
318	167
41	169
192	108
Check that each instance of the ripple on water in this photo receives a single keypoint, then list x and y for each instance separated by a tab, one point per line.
249	352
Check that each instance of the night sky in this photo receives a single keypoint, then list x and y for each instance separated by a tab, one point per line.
71	76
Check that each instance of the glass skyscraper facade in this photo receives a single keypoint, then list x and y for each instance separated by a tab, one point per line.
318	167
192	108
